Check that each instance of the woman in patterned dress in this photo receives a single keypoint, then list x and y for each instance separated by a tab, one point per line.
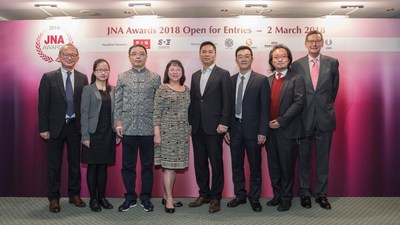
171	128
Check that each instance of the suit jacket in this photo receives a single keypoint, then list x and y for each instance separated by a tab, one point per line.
215	106
319	103
90	110
52	105
291	104
255	105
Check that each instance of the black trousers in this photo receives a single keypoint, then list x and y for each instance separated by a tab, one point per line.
55	148
130	147
208	148
239	145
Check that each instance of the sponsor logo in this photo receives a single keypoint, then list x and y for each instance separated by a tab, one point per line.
228	42
164	43
328	43
271	44
145	42
49	42
249	42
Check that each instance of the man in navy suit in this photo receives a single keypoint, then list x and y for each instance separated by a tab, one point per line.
59	124
286	126
209	117
321	76
251	96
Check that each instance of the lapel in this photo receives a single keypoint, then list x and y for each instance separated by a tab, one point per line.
249	83
286	81
196	80
307	74
234	77
60	83
322	66
96	91
212	77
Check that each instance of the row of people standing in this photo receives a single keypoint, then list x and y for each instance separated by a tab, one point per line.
263	112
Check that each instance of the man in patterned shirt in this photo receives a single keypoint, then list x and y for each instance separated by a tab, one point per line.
134	100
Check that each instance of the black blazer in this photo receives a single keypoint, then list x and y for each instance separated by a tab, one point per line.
214	107
52	101
320	103
255	105
292	100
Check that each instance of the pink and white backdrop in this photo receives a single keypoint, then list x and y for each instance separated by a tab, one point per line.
365	152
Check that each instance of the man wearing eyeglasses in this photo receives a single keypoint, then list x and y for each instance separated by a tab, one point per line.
59	124
133	116
251	96
285	125
321	76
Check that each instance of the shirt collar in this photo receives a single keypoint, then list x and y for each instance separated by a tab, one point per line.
310	59
283	74
208	69
246	75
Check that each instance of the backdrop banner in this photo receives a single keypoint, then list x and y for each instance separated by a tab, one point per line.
364	160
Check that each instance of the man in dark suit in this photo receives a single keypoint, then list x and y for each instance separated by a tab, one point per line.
59	123
286	126
251	96
321	76
209	116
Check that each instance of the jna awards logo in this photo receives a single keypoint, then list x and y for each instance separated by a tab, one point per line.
49	42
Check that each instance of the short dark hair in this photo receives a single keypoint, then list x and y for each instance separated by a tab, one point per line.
137	45
244	47
207	43
93	78
173	63
314	32
289	55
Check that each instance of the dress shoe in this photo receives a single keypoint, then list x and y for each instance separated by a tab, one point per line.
54	206
274	202
126	205
305	201
105	204
169	210
215	206
77	201
94	205
235	202
284	206
256	206
176	204
199	202
323	202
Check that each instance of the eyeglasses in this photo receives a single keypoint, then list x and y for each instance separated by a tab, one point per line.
243	56
102	71
172	69
140	54
66	55
314	41
280	57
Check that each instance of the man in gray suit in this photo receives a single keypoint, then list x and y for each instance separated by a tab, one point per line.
60	94
321	76
251	96
133	116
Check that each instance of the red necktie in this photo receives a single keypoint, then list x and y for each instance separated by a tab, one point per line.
279	75
314	73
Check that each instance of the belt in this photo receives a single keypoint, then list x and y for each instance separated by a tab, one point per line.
238	119
70	120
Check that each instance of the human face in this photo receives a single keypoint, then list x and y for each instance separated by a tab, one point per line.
314	43
207	56
138	57
244	60
174	73
68	57
102	71
280	59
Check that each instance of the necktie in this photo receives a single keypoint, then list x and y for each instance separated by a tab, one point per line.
279	75
314	73
70	95
239	97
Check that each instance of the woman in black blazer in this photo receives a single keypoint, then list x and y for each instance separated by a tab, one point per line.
98	134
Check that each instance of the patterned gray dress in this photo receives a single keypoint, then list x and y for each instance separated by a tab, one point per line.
171	114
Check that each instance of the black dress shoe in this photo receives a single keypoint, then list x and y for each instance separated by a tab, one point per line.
94	205
105	204
54	206
176	204
323	202
274	202
256	206
305	201
235	202
284	206
169	210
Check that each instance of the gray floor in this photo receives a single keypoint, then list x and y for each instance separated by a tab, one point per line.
354	211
